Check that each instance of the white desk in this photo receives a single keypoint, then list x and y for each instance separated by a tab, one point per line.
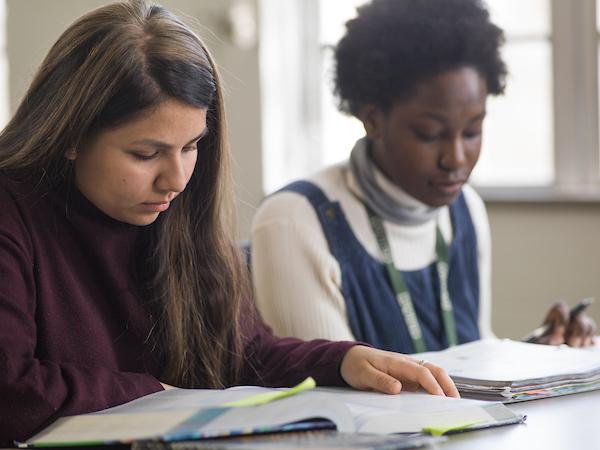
561	423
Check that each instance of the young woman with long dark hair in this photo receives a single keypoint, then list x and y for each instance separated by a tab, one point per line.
119	274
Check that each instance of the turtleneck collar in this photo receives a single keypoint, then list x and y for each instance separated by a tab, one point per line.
76	205
385	198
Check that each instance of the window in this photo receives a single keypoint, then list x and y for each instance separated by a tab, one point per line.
540	138
518	137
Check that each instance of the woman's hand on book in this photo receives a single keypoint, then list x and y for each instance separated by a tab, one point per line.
370	369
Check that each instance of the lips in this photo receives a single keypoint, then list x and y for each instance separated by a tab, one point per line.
448	185
157	203
156	206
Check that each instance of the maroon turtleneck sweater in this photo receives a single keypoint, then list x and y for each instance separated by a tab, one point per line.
73	330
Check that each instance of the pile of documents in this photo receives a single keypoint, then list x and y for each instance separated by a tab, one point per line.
511	371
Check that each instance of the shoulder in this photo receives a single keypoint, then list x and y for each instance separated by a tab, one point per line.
288	207
332	180
15	195
9	186
17	199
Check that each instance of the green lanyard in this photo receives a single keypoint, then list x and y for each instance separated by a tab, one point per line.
402	294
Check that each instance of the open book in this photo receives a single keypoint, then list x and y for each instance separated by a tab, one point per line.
186	414
511	371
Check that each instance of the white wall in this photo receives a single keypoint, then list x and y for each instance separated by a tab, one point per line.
541	252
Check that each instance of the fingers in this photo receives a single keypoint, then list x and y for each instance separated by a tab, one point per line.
558	314
557	320
389	372
361	369
413	374
581	331
377	380
556	336
443	380
576	332
590	340
428	376
410	370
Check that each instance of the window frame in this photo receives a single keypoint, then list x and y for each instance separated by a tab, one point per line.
575	42
575	56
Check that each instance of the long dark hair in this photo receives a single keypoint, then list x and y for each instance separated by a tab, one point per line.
108	67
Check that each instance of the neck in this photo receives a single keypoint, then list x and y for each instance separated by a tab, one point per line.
382	196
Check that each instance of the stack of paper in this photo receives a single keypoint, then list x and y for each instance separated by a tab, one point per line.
511	371
180	414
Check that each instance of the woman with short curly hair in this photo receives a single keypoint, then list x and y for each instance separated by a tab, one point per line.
393	247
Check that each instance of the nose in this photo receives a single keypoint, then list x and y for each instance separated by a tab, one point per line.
453	156
173	176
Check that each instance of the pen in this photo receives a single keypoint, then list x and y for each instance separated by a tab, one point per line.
577	309
542	330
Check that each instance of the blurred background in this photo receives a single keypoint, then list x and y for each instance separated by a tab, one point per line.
539	172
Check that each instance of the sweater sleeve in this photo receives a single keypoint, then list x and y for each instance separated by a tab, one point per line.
35	391
296	279
275	361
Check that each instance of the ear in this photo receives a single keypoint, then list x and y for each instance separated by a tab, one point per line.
372	118
71	154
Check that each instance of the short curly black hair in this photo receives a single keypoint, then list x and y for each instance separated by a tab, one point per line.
394	44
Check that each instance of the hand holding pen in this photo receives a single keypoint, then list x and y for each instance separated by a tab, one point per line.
566	326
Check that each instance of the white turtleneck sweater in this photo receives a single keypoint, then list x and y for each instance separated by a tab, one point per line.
297	280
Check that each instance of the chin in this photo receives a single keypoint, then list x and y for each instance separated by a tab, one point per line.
140	221
437	201
143	223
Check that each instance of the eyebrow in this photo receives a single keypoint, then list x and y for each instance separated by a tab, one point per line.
160	145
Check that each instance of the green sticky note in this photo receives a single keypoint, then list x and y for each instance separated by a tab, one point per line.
266	397
440	431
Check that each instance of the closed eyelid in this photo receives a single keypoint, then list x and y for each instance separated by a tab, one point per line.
429	129
193	143
143	156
